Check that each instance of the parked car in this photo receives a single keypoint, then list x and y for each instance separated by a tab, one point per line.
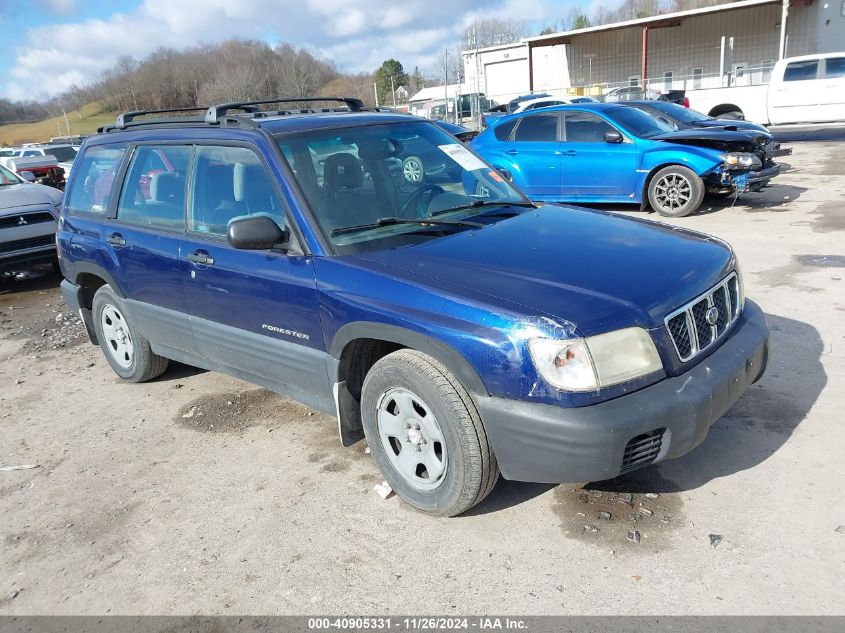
629	93
541	102
463	330
496	112
28	214
806	89
43	170
682	118
608	152
64	154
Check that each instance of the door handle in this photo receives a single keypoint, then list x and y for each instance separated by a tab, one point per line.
199	257
116	239
569	152
512	152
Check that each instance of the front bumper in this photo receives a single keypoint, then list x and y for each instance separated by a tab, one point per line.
549	444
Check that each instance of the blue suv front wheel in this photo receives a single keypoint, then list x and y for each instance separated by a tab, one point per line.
426	434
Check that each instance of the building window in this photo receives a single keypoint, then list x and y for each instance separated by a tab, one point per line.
634	80
667	80
697	73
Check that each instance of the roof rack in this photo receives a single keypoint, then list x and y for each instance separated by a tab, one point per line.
216	112
123	120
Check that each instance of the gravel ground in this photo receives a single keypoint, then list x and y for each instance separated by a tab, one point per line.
198	493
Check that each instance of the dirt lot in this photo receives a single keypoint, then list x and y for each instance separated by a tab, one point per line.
198	493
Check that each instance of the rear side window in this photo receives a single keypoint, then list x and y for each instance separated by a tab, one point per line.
834	67
230	182
93	179
537	128
801	71
154	189
503	130
583	127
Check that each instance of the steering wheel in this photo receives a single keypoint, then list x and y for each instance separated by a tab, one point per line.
420	200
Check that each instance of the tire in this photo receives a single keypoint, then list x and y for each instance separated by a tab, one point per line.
410	401
733	115
413	170
675	191
125	349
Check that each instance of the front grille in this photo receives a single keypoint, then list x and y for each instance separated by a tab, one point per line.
22	219
642	450
22	245
696	326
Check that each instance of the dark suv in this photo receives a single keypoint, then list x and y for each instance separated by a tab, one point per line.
462	329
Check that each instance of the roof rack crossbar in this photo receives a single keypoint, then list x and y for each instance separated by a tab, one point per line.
216	112
127	117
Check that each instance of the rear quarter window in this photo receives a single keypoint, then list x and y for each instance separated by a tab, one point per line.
503	130
94	179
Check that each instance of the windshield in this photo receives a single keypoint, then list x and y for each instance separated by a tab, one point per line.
638	122
680	113
356	177
8	178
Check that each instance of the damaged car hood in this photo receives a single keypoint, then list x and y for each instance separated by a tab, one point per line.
590	268
717	138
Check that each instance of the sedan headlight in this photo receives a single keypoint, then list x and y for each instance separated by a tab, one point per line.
588	364
741	160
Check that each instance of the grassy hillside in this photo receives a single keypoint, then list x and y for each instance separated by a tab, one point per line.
92	118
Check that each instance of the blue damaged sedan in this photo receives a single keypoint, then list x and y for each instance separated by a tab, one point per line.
612	153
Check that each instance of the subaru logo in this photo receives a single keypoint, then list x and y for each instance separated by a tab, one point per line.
712	315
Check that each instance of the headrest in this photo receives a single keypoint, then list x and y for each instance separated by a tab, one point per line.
166	186
342	171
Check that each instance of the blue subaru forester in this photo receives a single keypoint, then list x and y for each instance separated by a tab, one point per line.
462	329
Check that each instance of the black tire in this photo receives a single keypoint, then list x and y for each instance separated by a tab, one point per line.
470	466
733	115
680	182
141	364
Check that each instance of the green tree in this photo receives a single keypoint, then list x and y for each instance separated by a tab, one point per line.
390	69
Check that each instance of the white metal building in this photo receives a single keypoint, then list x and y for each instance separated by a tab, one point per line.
735	43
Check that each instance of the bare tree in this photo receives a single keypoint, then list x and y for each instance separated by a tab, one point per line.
492	31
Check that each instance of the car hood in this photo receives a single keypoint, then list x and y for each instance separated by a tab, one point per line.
593	269
26	195
728	124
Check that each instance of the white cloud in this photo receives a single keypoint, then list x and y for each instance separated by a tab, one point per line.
357	37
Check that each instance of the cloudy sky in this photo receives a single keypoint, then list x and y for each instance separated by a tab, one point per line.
48	45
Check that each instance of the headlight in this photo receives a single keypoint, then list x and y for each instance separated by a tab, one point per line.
588	364
741	160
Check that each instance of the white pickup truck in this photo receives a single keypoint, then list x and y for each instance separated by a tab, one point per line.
807	89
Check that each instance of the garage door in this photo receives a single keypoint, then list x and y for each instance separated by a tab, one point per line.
506	80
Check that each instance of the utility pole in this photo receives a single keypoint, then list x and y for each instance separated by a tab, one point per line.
375	92
446	83
784	12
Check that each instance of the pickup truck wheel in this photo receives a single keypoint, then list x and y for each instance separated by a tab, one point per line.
128	353
426	435
675	191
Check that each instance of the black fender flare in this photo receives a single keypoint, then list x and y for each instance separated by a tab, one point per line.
81	268
453	360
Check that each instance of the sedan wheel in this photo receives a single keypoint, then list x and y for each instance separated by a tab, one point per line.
675	191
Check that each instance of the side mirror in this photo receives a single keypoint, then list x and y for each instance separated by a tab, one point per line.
27	175
256	233
505	173
613	137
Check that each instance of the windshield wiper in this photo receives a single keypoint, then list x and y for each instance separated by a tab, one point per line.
477	204
391	221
